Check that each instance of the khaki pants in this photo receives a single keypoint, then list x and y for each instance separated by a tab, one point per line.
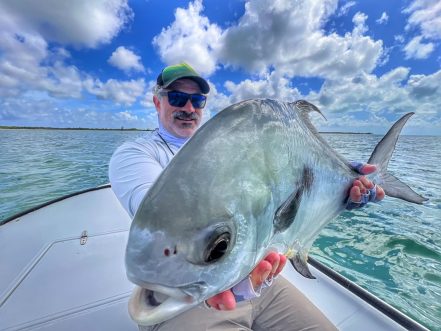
280	307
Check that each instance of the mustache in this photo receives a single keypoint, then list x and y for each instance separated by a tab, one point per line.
183	115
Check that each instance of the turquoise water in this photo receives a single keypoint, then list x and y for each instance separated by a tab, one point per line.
393	249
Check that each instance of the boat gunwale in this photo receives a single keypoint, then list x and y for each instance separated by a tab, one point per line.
50	202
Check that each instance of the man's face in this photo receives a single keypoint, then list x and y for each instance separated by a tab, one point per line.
183	121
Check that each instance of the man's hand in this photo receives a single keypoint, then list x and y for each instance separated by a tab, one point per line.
268	268
363	186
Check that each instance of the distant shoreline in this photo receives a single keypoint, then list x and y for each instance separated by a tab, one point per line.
122	129
51	128
342	132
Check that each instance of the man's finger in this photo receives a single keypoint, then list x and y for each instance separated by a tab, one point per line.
357	183
282	264
368	169
223	301
260	273
355	194
380	193
274	259
366	182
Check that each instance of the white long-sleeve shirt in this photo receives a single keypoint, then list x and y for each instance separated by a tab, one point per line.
135	166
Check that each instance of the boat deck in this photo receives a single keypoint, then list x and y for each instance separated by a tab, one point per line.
62	268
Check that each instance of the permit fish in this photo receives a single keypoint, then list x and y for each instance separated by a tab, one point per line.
255	178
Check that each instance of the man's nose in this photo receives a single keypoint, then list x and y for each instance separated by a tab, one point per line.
189	107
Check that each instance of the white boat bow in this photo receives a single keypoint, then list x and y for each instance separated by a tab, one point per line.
62	268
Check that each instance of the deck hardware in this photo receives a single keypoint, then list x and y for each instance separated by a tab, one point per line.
83	238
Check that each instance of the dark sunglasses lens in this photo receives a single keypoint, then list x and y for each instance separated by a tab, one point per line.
198	100
177	99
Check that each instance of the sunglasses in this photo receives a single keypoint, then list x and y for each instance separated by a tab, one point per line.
179	99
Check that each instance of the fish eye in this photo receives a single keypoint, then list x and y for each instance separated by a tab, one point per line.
217	247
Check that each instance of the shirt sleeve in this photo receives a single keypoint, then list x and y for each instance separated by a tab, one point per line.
132	171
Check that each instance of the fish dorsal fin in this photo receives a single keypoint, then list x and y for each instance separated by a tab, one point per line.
287	211
304	109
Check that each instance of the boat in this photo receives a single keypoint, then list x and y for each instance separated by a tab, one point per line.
62	268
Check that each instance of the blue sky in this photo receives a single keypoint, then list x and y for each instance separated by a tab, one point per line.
93	63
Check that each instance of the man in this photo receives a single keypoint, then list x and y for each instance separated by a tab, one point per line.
179	98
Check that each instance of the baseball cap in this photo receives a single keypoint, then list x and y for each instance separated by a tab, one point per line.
182	70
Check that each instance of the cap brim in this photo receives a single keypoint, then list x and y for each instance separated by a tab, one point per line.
203	85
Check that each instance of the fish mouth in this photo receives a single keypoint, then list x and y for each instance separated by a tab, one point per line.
146	310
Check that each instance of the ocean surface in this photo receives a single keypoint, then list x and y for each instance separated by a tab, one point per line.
393	249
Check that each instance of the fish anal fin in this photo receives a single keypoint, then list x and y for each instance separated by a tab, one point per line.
301	265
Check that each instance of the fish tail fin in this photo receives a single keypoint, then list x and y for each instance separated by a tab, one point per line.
299	263
381	156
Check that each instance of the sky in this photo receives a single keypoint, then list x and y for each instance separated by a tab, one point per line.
93	64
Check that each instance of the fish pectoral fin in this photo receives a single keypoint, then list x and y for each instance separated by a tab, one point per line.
301	265
287	212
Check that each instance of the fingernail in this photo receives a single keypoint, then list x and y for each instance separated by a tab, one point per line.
221	307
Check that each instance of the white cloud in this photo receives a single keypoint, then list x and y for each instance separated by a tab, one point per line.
215	103
395	93
425	15
147	99
121	92
126	116
383	19
62	81
289	36
30	66
416	49
48	112
126	60
426	87
190	38
282	35
272	86
21	53
81	23
360	27
343	100
399	38
345	8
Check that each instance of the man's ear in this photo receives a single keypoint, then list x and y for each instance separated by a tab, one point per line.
157	102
